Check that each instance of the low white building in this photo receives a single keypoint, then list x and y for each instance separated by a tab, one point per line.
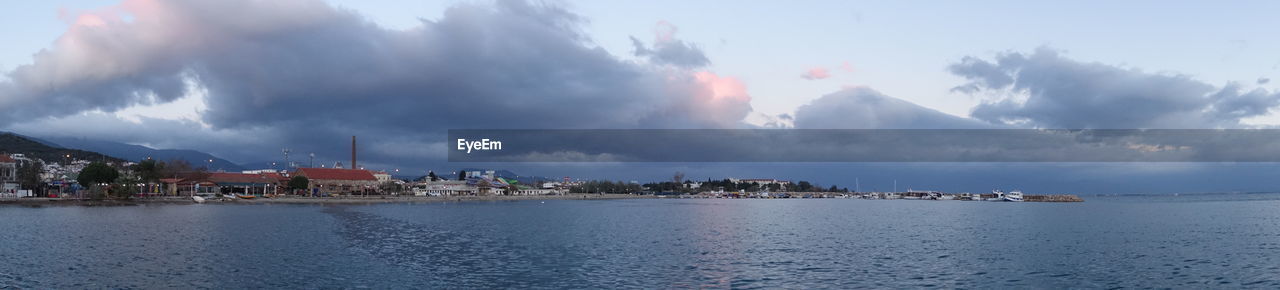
536	191
382	176
444	188
761	181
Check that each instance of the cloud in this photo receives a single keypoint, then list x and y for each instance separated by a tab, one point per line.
865	108
1051	91
846	67
816	73
667	50
301	73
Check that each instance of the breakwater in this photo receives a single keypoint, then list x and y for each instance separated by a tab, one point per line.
1053	198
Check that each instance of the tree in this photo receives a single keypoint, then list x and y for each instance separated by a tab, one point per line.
804	186
97	173
679	177
124	187
29	175
431	175
299	182
149	170
175	167
462	175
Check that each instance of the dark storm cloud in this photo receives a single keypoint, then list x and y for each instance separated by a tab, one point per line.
865	108
303	72
668	50
1064	93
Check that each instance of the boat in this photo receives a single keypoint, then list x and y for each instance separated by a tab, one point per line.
999	195
197	198
246	196
1015	196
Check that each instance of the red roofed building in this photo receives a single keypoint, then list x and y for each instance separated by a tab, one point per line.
227	183
247	183
339	181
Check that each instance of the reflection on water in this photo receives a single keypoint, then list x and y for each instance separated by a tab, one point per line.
1107	242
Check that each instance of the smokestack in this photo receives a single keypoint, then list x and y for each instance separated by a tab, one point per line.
353	153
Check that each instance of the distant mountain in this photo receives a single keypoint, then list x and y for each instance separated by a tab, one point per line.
11	143
138	152
263	165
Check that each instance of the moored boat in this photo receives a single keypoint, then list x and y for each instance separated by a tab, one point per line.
999	195
1015	196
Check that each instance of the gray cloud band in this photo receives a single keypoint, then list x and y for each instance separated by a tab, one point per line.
866	145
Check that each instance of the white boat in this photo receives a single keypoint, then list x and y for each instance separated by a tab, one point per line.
197	198
999	195
1015	195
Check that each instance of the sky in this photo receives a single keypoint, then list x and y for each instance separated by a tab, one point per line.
241	79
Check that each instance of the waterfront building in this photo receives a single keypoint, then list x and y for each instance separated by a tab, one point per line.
444	188
761	181
488	186
480	185
247	183
534	191
8	174
339	181
382	176
225	183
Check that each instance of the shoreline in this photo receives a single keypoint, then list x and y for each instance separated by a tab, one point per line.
383	199
311	200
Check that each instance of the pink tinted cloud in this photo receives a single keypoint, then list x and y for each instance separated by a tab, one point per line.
721	102
816	74
664	32
846	67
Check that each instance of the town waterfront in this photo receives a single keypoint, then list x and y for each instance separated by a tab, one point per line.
1151	241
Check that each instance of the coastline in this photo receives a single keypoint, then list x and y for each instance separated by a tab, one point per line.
380	199
312	200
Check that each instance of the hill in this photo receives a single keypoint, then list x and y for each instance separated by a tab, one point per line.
11	143
139	152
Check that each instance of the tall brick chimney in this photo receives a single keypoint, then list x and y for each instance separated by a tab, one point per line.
353	153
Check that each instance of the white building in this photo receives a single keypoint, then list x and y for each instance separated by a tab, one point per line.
536	191
382	176
761	181
444	188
